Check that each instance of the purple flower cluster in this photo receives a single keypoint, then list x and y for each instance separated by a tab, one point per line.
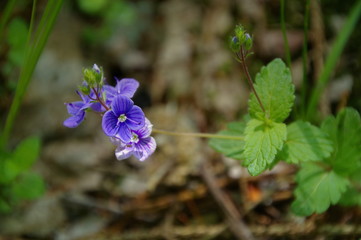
124	122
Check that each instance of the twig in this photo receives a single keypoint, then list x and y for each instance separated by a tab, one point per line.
237	226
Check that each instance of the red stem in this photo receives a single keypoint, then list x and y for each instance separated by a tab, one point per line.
99	100
250	82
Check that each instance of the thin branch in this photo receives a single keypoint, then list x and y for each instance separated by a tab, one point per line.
237	226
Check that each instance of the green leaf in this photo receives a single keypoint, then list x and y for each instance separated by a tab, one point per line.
16	38
29	186
228	147
262	142
305	142
8	170
92	7
352	196
317	189
4	206
26	153
345	133
276	91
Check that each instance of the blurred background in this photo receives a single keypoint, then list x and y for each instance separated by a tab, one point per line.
189	82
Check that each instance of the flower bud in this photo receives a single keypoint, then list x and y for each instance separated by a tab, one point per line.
93	76
241	38
248	42
239	32
85	89
234	44
89	77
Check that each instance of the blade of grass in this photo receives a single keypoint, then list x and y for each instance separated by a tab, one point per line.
332	59
6	15
284	34
305	58
34	47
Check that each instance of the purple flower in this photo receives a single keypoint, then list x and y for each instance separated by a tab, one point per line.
77	111
123	117
141	145
125	87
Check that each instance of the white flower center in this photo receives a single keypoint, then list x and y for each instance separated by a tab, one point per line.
122	118
134	138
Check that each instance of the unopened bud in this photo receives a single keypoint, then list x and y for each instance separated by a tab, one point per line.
234	44
93	76
248	42
85	89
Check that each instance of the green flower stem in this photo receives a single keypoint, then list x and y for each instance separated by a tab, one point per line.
199	135
333	57
284	34
249	79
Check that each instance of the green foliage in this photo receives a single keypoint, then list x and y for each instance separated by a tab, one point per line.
318	188
305	142
321	183
230	148
27	187
92	7
329	157
121	15
262	141
276	91
16	38
35	44
333	57
345	133
26	153
16	181
352	196
25	46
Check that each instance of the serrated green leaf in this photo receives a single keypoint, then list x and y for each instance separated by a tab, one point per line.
317	189
262	141
345	132
352	196
276	91
305	142
26	153
28	186
228	147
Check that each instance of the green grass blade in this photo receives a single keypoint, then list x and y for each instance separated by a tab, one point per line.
305	57
34	48
6	15
284	34
332	59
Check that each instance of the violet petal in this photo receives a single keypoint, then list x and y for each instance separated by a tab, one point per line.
121	105
125	133
127	87
135	118
109	123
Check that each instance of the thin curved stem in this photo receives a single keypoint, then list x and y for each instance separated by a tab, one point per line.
200	135
99	100
249	79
